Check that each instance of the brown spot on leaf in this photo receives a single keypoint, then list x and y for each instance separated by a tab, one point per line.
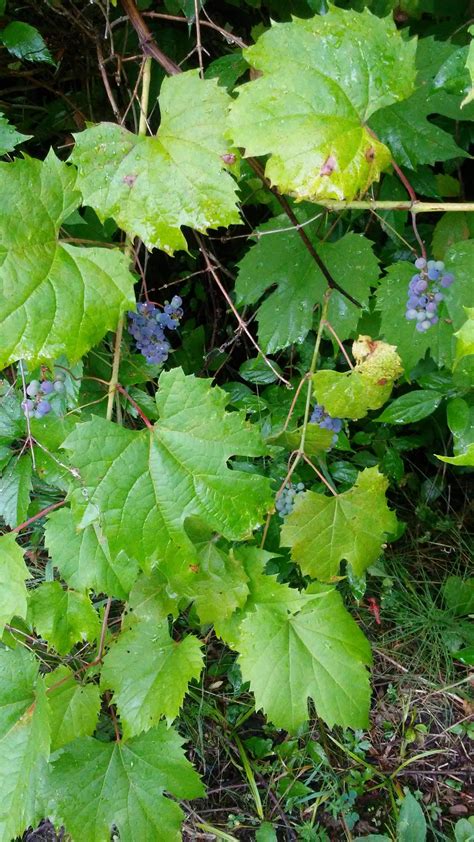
329	166
129	179
382	382
228	158
370	154
194	568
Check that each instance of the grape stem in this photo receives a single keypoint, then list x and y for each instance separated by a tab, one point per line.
38	515
414	207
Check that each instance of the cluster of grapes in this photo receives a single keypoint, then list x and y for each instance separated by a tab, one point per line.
424	293
322	418
37	404
148	325
285	502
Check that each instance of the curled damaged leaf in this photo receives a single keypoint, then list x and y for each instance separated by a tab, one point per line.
351	394
311	119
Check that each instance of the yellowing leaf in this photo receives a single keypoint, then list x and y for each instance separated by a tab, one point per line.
152	186
320	80
55	298
322	531
351	394
465	338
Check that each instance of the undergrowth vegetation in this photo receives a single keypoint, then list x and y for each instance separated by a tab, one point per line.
236	420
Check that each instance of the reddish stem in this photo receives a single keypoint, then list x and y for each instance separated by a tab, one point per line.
142	415
37	516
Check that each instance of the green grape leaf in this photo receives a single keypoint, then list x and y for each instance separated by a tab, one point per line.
444	77
151	186
25	42
282	260
219	586
264	589
84	560
151	599
460	417
55	298
13	574
24	740
451	228
12	419
322	531
149	673
412	139
9	137
311	118
73	708
94	786
62	617
351	394
15	487
391	302
318	652
142	486
465	338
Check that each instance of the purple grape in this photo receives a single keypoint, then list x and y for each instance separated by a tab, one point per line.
42	408
322	418
433	274
411	314
420	327
439	265
28	406
423	293
420	263
47	387
447	280
420	286
33	388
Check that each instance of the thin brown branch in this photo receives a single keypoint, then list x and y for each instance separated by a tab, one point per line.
229	36
146	40
332	283
38	515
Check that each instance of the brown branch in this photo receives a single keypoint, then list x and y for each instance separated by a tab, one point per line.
38	515
229	36
332	283
146	40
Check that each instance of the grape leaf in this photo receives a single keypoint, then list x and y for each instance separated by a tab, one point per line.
24	740
322	531
151	186
411	137
73	708
15	487
311	118
411	407
12	419
94	786
391	302
142	486
149	673
351	394
317	440
220	584
150	598
465	338
13	574
264	589
62	617
84	560
286	315
317	652
9	137
451	228
55	298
